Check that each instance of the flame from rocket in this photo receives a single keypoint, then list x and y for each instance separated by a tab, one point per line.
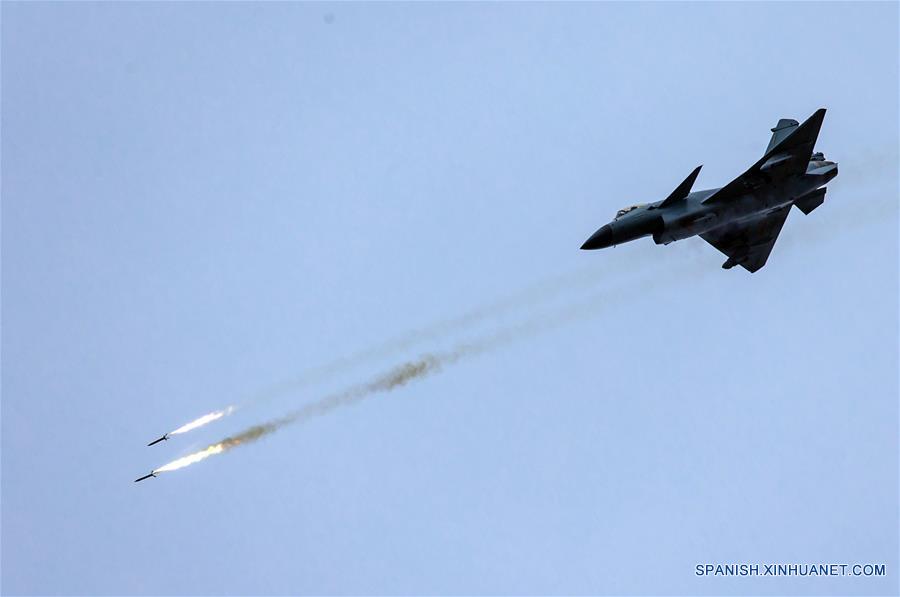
204	420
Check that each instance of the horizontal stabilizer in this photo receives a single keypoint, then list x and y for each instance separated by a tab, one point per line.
681	192
781	130
810	201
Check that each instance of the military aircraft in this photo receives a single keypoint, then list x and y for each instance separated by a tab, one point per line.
743	218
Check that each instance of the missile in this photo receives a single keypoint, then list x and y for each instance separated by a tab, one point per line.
152	474
156	441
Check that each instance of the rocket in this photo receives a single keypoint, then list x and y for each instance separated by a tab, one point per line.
152	474
156	441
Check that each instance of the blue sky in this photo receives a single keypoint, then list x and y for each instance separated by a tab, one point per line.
202	200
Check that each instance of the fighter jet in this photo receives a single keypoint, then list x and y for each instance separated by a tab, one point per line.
743	218
156	441
152	474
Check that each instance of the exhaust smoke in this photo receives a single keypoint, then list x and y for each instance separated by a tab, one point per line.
427	365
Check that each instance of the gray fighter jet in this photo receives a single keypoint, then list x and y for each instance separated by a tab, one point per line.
743	218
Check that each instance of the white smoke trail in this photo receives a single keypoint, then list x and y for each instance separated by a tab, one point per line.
431	363
538	293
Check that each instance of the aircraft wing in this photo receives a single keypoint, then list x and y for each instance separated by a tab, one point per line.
748	243
789	156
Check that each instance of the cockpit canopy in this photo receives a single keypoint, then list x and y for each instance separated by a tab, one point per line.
625	210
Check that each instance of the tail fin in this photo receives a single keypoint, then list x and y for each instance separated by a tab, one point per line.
784	128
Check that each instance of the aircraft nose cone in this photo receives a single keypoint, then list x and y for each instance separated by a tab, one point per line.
599	240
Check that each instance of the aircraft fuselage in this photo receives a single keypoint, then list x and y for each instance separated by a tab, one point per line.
692	217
